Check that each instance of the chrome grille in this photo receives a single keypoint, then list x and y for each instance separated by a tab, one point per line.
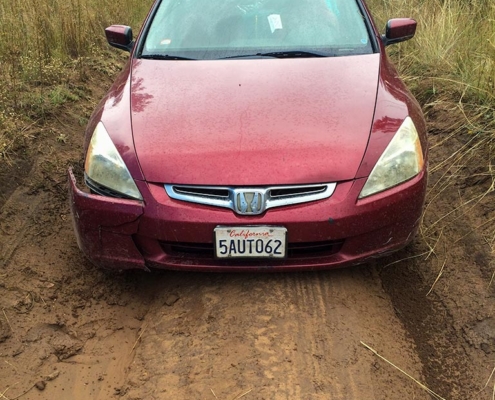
250	200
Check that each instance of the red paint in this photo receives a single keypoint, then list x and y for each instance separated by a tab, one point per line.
119	36
104	228
291	122
400	28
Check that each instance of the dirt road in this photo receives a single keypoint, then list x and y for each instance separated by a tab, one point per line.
71	331
287	336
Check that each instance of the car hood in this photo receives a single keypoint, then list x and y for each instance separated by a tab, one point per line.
253	121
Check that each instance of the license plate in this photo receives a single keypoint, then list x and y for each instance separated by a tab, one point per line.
250	242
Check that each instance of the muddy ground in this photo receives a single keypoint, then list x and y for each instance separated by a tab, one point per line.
71	331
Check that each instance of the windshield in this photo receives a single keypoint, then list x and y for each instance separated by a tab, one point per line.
212	29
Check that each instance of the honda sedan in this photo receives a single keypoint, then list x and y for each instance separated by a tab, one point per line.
252	135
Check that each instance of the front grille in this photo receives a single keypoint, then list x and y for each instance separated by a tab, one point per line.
295	250
250	200
204	250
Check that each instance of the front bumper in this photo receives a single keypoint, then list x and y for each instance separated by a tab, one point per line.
164	233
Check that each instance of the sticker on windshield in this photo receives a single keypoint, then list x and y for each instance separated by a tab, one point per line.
166	42
275	22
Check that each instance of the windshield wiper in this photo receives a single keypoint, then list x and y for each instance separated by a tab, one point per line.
257	55
164	57
285	54
296	54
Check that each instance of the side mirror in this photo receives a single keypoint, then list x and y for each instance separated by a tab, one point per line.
120	36
399	30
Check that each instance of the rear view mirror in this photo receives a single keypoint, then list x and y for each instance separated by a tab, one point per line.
120	36
399	30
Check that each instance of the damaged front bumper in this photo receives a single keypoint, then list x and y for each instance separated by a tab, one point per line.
104	227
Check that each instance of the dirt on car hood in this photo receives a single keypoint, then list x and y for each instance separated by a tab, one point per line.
253	121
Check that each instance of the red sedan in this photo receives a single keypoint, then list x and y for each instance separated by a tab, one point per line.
244	136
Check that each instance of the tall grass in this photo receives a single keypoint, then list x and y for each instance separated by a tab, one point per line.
61	28
41	43
37	37
454	47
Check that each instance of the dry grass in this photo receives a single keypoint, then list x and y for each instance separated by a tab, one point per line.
7	320
454	48
417	382
61	29
44	46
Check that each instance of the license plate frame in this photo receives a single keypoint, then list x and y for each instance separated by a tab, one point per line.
244	242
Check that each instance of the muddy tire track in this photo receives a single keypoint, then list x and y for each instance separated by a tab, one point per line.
293	336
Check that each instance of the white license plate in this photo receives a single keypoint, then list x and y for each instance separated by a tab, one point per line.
250	242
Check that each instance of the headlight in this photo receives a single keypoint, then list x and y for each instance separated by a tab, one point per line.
401	161
104	166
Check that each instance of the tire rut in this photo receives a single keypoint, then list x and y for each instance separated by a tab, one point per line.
293	336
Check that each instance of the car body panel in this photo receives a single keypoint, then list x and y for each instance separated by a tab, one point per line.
234	122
